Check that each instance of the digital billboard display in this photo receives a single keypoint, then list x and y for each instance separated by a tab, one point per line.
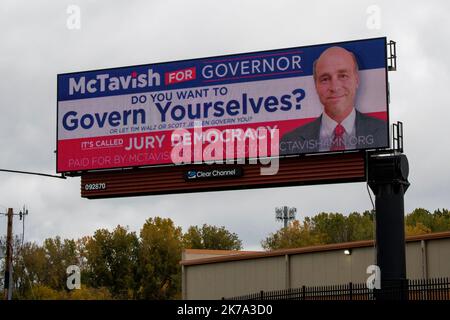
312	99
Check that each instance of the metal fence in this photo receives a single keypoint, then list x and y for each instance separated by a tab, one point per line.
422	289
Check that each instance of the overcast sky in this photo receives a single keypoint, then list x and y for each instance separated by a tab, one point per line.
36	45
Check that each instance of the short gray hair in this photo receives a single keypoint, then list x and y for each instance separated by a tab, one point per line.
355	61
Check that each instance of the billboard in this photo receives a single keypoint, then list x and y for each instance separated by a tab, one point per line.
321	98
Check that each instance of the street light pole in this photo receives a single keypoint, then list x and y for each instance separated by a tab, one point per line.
285	214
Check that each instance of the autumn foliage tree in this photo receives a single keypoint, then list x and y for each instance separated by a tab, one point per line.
159	257
211	237
325	228
121	264
437	221
295	235
41	270
113	261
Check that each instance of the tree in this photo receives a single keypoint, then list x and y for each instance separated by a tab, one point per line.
332	225
112	259
418	228
43	292
360	226
437	221
59	255
159	257
323	229
30	269
88	293
295	235
40	271
441	220
420	215
211	237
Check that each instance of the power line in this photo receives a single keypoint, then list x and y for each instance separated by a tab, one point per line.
62	176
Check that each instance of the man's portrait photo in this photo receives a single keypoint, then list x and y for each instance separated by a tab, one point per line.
340	126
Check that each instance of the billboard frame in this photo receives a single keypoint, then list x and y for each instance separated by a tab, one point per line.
81	172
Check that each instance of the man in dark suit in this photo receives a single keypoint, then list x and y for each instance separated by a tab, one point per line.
341	126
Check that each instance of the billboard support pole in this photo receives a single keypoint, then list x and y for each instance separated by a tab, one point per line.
388	179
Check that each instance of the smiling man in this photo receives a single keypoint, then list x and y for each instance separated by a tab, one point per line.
341	126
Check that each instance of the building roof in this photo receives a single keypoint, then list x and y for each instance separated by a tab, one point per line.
195	254
228	256
218	252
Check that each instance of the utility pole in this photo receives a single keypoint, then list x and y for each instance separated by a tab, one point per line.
9	246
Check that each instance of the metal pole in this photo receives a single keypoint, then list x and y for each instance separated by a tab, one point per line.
388	179
8	267
285	216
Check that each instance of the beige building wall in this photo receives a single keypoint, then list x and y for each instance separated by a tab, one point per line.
414	261
214	281
249	273
332	267
438	257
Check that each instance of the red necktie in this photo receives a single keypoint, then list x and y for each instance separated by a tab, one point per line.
338	139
